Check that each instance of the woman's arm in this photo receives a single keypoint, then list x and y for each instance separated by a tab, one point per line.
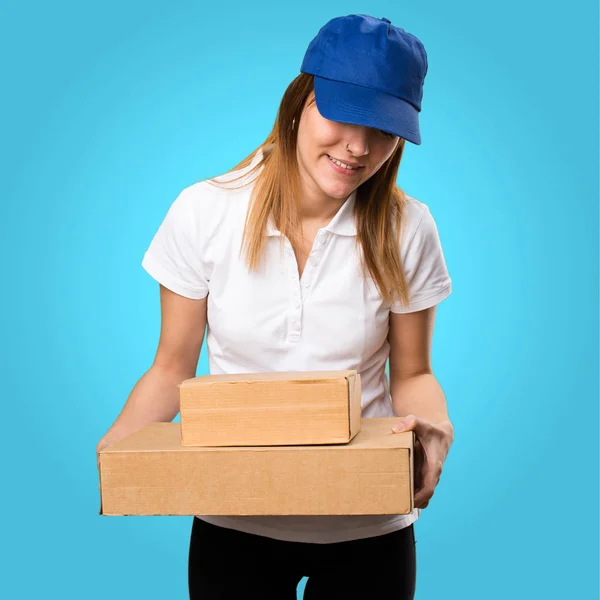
413	386
155	397
418	398
420	395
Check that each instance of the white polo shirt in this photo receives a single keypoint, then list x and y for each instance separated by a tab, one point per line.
271	320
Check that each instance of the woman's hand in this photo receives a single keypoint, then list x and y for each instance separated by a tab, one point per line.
433	441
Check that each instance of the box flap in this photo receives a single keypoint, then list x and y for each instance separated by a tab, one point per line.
295	377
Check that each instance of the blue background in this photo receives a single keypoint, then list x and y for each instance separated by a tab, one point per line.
110	109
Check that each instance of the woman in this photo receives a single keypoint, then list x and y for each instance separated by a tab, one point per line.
307	256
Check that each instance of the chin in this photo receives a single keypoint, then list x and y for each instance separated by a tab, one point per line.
338	191
334	186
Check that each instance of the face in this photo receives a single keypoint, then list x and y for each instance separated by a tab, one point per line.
321	140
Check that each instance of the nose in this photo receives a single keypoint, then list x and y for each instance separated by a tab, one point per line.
357	139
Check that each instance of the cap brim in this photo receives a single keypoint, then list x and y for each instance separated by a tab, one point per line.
349	103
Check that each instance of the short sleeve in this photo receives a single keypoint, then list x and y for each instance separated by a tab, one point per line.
424	266
172	258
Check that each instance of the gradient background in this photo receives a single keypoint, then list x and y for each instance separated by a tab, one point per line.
110	109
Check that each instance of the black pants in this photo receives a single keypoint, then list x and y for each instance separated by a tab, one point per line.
225	564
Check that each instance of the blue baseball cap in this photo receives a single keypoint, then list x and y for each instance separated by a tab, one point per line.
368	72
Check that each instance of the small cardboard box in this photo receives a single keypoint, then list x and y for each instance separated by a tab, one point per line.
270	409
151	473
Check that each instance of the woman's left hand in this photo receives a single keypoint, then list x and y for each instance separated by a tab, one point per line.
433	441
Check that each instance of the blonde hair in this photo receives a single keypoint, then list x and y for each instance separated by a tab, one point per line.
378	210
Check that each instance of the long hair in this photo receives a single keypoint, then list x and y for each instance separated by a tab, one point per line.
378	210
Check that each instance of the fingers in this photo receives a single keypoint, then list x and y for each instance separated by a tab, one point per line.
413	423
427	477
405	424
430	440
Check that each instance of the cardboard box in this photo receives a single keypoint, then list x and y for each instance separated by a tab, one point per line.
270	409
151	473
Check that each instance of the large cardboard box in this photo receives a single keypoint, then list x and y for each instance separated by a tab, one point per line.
270	409
151	473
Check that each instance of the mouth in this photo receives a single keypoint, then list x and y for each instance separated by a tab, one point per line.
341	166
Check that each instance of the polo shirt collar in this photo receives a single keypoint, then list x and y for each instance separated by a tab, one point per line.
343	222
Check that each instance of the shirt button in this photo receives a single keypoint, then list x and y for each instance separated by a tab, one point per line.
297	326
306	283
298	305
